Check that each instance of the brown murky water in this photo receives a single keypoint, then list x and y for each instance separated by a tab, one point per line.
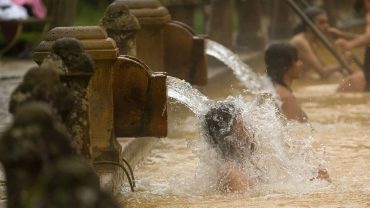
340	125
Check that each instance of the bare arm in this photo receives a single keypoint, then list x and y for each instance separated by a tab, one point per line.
341	34
310	58
360	40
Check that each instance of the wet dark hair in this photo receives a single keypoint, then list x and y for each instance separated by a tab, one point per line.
218	124
311	12
278	58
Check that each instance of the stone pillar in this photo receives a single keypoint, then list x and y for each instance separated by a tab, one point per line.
281	20
166	45
41	165
250	34
35	140
113	94
122	26
220	25
150	41
99	92
182	10
78	68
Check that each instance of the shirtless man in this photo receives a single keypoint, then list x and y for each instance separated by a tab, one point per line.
357	82
283	66
305	40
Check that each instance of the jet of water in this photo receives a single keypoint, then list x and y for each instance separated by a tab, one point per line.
184	93
241	70
278	158
254	83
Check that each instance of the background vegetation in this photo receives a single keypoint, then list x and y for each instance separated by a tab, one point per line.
89	12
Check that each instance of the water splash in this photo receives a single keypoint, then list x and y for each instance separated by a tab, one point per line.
280	161
184	93
241	70
255	84
191	168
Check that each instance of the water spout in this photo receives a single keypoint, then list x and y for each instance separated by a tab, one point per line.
184	93
254	83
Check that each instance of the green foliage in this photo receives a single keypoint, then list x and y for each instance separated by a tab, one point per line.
90	11
199	17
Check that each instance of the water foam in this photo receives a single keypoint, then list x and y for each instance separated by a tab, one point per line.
281	161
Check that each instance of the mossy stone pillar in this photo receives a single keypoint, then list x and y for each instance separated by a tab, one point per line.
150	38
166	45
122	26
76	69
104	52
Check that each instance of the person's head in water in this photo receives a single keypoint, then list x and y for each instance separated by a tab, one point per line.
318	17
282	60
225	131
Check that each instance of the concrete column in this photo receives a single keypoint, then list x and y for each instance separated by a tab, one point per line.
99	97
152	17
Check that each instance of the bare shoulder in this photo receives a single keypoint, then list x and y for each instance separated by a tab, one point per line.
284	93
299	40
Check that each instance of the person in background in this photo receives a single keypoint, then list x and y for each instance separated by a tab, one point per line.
19	10
283	66
304	39
10	11
357	40
35	8
360	80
